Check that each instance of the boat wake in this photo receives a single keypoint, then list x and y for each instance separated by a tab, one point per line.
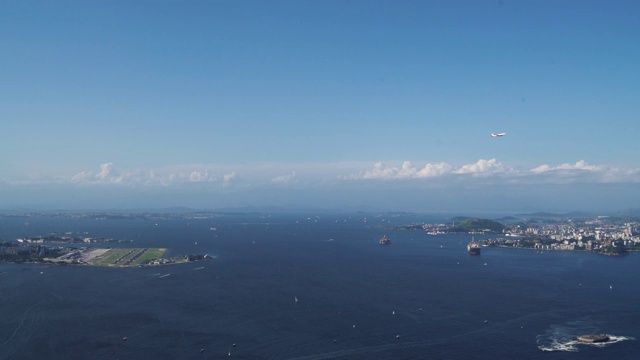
564	337
572	345
559	346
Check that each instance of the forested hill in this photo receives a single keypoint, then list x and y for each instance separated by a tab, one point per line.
477	225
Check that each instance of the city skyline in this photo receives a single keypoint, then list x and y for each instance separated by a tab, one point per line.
302	104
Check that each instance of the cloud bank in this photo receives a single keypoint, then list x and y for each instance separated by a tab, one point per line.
148	177
406	171
483	185
580	172
317	174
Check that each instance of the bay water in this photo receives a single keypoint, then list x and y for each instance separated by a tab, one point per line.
313	286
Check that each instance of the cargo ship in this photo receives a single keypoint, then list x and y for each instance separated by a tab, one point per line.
473	248
384	240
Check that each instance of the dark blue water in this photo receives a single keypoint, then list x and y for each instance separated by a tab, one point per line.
421	297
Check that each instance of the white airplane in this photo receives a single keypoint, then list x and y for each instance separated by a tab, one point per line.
498	135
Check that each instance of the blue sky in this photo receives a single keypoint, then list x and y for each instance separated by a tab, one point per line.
332	104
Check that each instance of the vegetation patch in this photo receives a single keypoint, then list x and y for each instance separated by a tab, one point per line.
150	255
477	226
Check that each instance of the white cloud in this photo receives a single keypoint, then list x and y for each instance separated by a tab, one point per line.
481	167
201	176
81	177
541	169
106	175
431	170
105	170
109	175
408	171
580	165
379	172
230	176
579	172
584	172
284	179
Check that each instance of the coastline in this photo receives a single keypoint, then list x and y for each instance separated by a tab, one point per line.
567	250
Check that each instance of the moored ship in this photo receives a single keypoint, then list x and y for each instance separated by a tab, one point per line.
384	240
473	248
